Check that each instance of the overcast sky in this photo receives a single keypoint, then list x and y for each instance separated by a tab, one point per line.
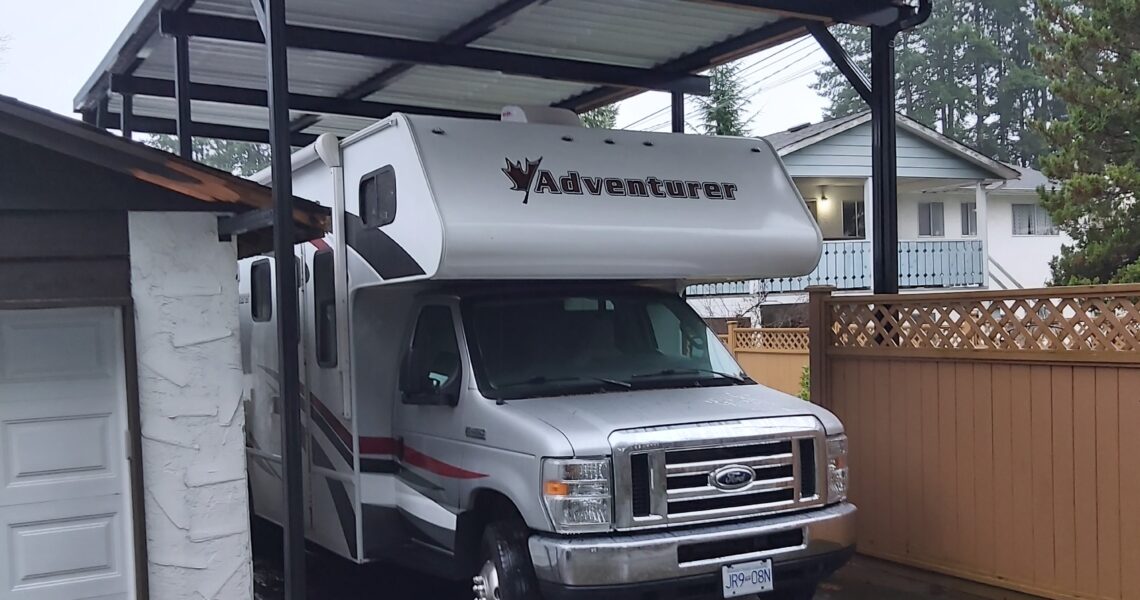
52	47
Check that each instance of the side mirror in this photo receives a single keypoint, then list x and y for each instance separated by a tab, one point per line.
420	388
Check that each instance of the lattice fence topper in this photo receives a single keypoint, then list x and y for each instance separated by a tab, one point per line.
772	339
1074	319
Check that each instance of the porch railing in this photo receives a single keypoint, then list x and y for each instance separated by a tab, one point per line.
846	265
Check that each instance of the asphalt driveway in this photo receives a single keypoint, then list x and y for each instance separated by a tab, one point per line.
332	578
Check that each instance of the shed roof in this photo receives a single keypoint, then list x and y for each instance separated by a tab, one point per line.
52	162
354	61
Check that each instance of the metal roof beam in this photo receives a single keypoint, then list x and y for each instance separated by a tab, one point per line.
161	88
433	53
858	12
855	76
204	130
465	34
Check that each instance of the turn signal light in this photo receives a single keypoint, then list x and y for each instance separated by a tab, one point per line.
556	488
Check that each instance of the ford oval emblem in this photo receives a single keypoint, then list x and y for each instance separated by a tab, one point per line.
732	477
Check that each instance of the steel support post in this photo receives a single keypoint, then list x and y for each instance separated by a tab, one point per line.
127	115
288	336
884	162
678	112
182	95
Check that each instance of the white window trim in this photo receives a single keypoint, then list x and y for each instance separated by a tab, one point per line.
1013	222
919	223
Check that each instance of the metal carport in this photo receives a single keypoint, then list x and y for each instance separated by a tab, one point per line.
250	70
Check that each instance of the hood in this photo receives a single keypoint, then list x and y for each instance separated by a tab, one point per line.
587	420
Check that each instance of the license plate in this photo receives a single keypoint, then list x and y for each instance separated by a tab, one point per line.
747	578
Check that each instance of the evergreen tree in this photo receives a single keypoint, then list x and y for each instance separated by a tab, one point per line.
1090	52
239	158
722	112
967	72
603	117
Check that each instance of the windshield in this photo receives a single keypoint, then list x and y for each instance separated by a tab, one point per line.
545	344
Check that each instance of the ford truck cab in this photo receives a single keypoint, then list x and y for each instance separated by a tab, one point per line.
503	379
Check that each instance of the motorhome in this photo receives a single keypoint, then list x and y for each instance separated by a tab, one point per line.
503	380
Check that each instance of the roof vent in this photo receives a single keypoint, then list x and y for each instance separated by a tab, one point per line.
547	115
796	128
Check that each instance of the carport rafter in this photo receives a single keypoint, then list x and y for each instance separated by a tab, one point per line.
432	53
856	12
161	88
140	124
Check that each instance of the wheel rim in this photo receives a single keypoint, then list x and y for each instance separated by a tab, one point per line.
487	582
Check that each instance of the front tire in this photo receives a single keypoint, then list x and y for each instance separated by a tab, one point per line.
505	570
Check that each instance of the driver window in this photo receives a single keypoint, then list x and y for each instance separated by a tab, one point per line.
433	362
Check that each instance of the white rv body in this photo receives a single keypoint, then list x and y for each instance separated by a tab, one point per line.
484	206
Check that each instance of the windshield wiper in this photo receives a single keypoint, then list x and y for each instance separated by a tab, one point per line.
541	379
694	370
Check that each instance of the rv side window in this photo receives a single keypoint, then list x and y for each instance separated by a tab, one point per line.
432	367
378	197
324	308
260	291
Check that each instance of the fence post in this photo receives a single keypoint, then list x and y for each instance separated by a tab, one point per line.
819	329
732	337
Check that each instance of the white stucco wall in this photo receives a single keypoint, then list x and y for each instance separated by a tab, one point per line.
1025	257
184	285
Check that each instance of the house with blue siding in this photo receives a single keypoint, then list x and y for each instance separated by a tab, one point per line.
965	220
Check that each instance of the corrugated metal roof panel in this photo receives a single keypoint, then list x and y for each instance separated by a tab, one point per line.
640	33
238	64
421	19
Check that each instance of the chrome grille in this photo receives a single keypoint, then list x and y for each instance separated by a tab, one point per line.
665	475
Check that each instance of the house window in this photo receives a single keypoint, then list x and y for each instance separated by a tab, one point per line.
969	218
378	197
854	220
324	308
931	219
261	291
813	209
1032	219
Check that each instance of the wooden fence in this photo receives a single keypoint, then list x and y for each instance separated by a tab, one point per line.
774	357
994	436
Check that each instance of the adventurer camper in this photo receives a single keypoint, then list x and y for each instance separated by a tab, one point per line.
503	380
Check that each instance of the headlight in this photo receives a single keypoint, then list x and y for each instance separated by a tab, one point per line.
836	468
578	494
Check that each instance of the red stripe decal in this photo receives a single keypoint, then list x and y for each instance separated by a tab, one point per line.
427	463
379	445
320	244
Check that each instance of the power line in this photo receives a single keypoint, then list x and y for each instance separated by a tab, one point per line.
797	45
797	56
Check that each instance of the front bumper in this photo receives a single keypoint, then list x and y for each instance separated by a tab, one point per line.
639	558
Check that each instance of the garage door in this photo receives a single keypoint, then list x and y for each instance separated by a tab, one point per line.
63	470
